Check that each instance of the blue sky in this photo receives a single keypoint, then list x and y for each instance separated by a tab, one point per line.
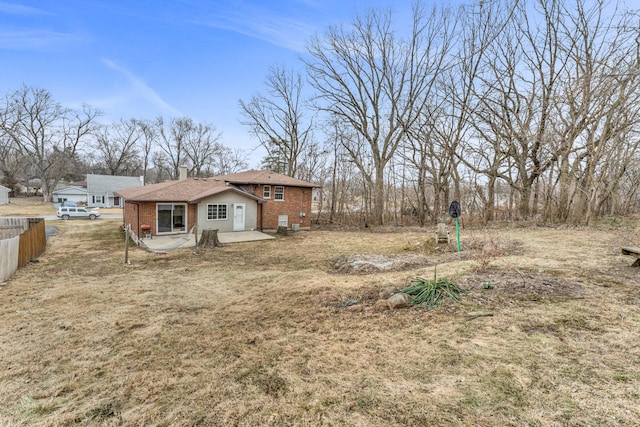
146	58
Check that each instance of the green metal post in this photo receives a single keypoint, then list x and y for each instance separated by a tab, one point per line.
458	233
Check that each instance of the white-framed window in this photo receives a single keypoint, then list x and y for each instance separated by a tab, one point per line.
278	192
216	211
266	192
98	199
283	220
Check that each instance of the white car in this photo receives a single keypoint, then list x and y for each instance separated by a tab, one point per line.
69	212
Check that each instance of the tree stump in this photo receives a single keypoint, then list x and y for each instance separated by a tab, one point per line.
209	239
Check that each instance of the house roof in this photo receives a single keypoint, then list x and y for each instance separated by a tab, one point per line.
101	184
3	188
265	178
189	190
72	189
192	190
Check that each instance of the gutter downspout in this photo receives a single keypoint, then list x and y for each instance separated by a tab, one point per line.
138	215
261	205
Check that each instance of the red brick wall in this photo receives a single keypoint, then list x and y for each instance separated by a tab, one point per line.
131	217
148	215
137	214
146	211
296	200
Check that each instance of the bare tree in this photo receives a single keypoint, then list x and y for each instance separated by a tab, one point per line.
183	142
146	143
519	97
599	114
45	131
163	169
172	138
479	27
12	163
629	196
375	82
278	121
202	148
117	146
228	161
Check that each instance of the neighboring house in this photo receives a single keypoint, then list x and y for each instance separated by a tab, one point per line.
71	193
101	189
4	195
248	200
31	187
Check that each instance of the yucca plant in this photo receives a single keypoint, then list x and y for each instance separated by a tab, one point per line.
431	292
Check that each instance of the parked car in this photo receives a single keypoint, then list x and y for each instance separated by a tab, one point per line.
69	212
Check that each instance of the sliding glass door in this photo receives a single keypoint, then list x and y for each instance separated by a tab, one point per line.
172	218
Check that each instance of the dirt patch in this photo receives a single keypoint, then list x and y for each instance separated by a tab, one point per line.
485	289
376	263
426	254
497	246
497	285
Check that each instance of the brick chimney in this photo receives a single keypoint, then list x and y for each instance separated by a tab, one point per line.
182	171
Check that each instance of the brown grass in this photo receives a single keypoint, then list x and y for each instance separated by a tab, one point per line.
254	333
34	206
27	206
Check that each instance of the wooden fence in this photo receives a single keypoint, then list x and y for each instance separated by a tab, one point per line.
22	240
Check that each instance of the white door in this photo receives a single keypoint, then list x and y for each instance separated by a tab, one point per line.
238	217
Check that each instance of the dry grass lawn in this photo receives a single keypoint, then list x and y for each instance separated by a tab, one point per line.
25	206
34	206
251	334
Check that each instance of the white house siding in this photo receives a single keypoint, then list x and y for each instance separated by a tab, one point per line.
71	198
104	200
4	195
100	188
70	194
230	199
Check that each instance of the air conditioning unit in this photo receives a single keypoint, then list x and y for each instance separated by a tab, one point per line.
295	227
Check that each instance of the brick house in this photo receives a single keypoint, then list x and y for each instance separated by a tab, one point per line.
251	200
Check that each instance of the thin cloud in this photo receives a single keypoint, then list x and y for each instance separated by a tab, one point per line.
33	38
27	39
142	88
20	9
264	25
289	28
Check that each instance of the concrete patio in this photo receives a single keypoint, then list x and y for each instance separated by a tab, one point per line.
186	240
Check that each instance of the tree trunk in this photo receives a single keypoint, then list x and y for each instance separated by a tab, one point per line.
378	197
209	239
490	204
